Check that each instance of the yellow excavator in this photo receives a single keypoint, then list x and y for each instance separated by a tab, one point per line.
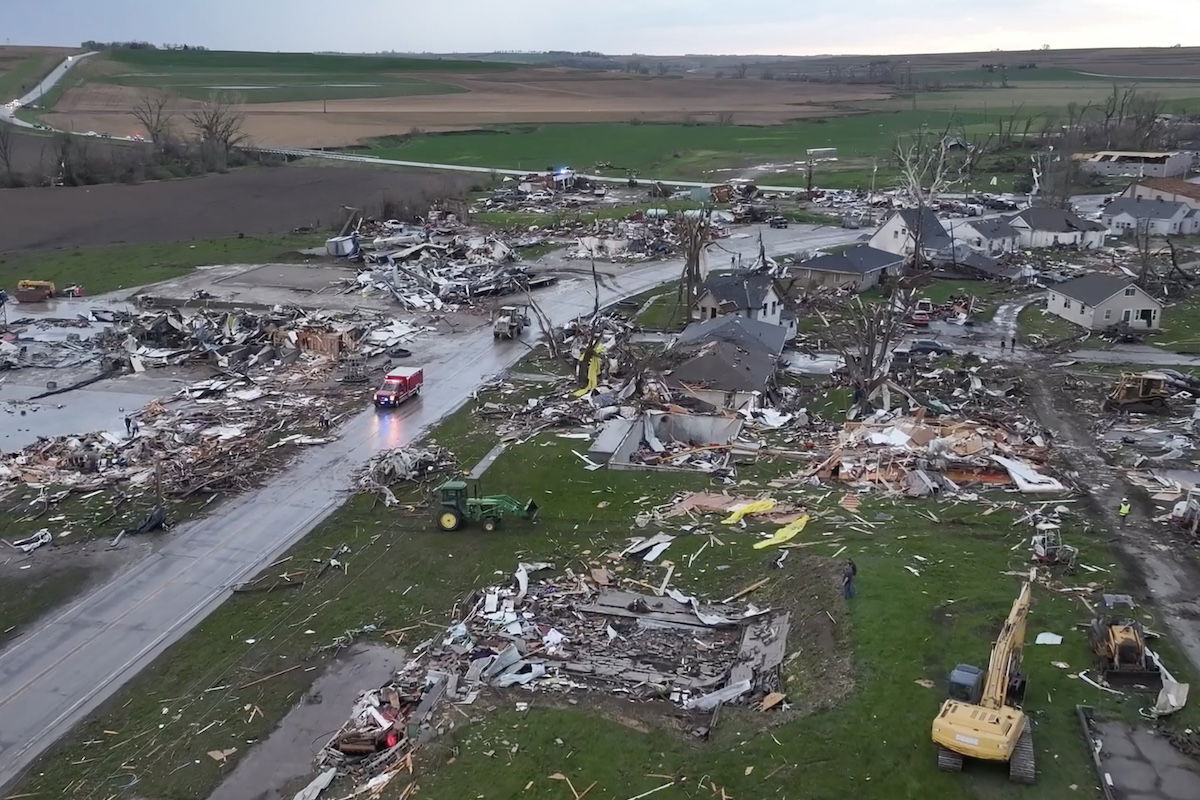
982	718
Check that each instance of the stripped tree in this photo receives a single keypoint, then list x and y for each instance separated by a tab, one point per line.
218	123
155	116
6	152
931	163
694	233
872	331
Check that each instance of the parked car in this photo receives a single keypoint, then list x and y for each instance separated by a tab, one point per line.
778	222
930	347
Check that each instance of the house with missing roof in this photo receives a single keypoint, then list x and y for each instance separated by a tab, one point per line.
900	232
858	268
741	294
723	375
1172	190
1097	301
1043	226
1129	215
748	334
1136	163
728	362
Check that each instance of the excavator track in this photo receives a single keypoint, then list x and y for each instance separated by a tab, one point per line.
948	760
1021	766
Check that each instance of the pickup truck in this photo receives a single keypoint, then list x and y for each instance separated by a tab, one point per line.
399	385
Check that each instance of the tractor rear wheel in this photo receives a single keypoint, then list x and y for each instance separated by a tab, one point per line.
449	519
491	523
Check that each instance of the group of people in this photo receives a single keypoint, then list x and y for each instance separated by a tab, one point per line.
1012	344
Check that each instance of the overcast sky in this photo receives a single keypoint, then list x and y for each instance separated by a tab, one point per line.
797	27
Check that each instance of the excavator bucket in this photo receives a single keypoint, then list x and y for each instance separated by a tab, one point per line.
531	509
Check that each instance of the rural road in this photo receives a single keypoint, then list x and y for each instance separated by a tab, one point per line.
8	112
57	674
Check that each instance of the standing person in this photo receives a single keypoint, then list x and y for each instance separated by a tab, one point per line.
133	427
1124	509
1013	345
1002	342
324	421
128	425
848	573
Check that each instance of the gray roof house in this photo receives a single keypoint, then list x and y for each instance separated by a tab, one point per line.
1046	226
899	232
859	267
723	375
742	294
749	334
1097	301
1159	217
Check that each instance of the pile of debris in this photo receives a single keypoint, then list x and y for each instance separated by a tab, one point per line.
922	456
230	340
390	467
574	632
211	436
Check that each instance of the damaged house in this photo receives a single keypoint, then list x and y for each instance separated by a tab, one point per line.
1042	226
857	268
899	234
724	375
741	294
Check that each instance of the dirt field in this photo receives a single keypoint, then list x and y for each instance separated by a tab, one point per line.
549	95
252	201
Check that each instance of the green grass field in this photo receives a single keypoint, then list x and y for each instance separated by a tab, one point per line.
104	269
23	74
271	77
184	61
677	151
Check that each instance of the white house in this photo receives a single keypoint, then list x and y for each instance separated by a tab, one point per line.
992	236
1097	301
1128	215
740	294
1172	190
1043	226
899	232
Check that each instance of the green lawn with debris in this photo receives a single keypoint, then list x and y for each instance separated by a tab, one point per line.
124	266
664	312
864	678
1181	327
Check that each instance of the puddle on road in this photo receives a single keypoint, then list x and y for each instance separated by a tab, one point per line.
275	769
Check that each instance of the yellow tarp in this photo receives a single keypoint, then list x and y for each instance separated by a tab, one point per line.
593	374
784	534
746	509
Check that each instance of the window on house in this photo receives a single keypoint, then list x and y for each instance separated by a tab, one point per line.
895	234
1108	313
1066	304
764	308
1130	291
1082	310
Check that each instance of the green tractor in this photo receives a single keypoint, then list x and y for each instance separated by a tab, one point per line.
455	504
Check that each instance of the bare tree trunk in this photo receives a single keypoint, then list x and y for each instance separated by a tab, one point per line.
6	151
155	116
694	232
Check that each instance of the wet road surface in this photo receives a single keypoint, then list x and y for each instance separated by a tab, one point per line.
79	656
